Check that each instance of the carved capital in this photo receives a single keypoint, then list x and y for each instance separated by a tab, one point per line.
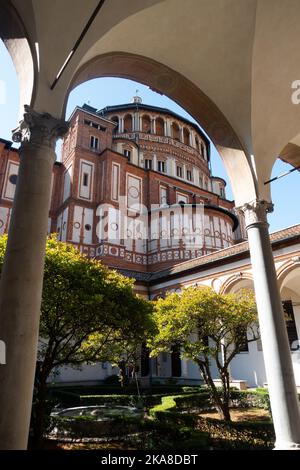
39	129
255	212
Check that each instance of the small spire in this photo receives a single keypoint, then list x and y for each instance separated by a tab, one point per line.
136	98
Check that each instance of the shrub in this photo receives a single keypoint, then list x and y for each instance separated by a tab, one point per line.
242	435
112	380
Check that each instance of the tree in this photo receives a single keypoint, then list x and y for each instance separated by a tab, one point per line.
207	326
126	348
80	298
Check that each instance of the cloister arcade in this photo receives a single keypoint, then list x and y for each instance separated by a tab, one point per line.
227	83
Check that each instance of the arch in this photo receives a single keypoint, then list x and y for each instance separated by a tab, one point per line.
128	123
146	123
164	80
236	282
117	121
287	268
160	126
22	52
186	136
175	131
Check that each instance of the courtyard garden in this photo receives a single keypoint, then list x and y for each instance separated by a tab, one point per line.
162	418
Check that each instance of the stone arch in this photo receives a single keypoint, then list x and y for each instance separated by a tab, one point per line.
128	123
160	126
177	87
146	123
236	282
175	131
22	52
287	268
116	119
186	136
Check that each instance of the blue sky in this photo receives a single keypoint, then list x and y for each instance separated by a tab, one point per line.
109	91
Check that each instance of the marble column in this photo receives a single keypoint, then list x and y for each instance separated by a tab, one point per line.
276	350
22	273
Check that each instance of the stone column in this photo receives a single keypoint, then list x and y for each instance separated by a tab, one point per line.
277	356
181	134
121	124
153	122
22	273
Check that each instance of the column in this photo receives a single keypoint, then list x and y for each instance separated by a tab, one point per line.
181	134
121	124
277	356
22	273
153	130
154	162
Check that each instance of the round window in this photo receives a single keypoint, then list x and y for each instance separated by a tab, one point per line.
87	227
13	179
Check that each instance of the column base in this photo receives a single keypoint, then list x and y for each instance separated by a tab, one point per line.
287	446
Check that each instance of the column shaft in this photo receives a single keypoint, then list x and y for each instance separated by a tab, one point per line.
22	277
277	356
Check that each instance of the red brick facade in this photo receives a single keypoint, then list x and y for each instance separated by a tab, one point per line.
145	155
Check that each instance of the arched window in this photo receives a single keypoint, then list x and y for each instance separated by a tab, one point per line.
186	136
116	120
128	123
160	126
146	124
175	131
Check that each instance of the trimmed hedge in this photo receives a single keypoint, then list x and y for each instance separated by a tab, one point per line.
238	435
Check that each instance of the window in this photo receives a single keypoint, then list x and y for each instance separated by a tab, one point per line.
94	142
127	154
85	179
290	324
189	175
163	195
222	192
179	171
245	346
148	164
161	166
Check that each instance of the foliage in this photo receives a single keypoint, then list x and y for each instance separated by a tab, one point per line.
207	326
81	299
219	434
238	435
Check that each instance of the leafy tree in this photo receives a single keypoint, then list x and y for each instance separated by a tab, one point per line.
81	298
207	326
126	348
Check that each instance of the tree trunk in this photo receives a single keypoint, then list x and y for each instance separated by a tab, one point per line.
123	376
222	405
39	413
